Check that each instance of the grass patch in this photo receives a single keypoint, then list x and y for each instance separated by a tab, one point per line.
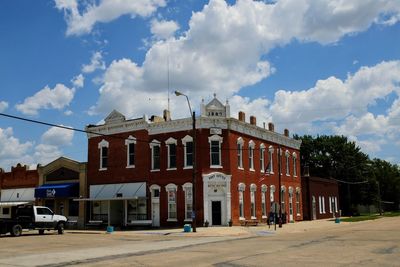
366	217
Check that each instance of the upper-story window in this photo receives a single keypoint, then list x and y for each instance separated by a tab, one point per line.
294	164
215	151
251	155
240	152
270	159
130	151
171	147
262	155
155	155
103	147
287	157
187	142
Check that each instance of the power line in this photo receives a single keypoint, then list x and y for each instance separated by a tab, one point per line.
116	136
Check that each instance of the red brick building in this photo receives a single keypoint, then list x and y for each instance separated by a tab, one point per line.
140	171
19	184
320	198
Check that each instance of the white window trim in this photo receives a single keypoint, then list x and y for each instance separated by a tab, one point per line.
271	158
264	189
100	145
128	141
271	193
298	200
152	145
336	209
240	142
253	190
241	189
185	140
185	187
330	204
294	164
170	187
170	141
251	155
220	140
320	204
287	163
154	187
262	158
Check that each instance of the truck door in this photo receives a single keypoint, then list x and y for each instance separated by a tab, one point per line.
44	218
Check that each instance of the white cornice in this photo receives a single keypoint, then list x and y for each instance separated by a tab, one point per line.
201	123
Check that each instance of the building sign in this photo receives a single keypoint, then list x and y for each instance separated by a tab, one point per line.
51	192
217	176
215	130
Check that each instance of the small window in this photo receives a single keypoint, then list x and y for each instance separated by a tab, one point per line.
189	154
156	193
6	211
215	153
171	156
155	155
104	157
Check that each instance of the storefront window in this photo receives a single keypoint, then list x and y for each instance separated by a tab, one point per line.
137	209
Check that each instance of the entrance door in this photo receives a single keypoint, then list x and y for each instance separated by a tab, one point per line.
156	214
216	212
314	208
291	208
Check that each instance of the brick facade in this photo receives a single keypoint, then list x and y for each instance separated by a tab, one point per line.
325	195
19	177
222	181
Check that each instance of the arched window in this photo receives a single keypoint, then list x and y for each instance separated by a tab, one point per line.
241	188
240	152
103	146
253	189
264	189
171	193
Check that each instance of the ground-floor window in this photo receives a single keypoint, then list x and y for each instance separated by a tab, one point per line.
137	209
298	202
99	211
263	201
241	188
171	191
73	208
188	201
283	208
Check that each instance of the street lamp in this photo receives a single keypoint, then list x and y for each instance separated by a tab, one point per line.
193	114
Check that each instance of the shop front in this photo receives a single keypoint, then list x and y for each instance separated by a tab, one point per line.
122	204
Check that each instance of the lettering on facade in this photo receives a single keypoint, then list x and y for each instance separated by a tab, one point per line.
50	192
215	130
217	176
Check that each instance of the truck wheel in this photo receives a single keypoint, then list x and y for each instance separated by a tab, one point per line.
16	230
60	228
41	231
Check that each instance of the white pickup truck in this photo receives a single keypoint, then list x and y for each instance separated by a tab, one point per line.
16	217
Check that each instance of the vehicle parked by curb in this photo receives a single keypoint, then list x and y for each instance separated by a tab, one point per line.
17	216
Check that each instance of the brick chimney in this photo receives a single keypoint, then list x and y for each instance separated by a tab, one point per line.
242	116
286	132
271	127
253	120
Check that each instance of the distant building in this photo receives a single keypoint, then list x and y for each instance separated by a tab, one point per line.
19	184
320	198
140	170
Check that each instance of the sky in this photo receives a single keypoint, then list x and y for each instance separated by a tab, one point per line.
312	66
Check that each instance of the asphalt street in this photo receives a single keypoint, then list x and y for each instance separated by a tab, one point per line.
317	243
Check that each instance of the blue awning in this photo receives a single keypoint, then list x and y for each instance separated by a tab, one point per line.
65	190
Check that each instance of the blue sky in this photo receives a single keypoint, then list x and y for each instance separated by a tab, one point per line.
312	66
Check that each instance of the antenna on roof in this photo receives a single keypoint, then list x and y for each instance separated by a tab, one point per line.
168	74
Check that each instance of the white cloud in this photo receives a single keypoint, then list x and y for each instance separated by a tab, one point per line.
3	106
105	11
96	62
223	49
68	112
334	99
57	98
12	150
58	137
45	153
78	81
163	29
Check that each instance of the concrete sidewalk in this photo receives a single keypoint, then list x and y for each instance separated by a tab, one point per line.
234	231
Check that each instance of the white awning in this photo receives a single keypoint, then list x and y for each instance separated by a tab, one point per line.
18	194
9	204
117	191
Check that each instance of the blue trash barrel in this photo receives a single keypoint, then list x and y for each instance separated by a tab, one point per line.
110	229
337	220
187	228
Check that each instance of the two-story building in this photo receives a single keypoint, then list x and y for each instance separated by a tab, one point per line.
140	171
